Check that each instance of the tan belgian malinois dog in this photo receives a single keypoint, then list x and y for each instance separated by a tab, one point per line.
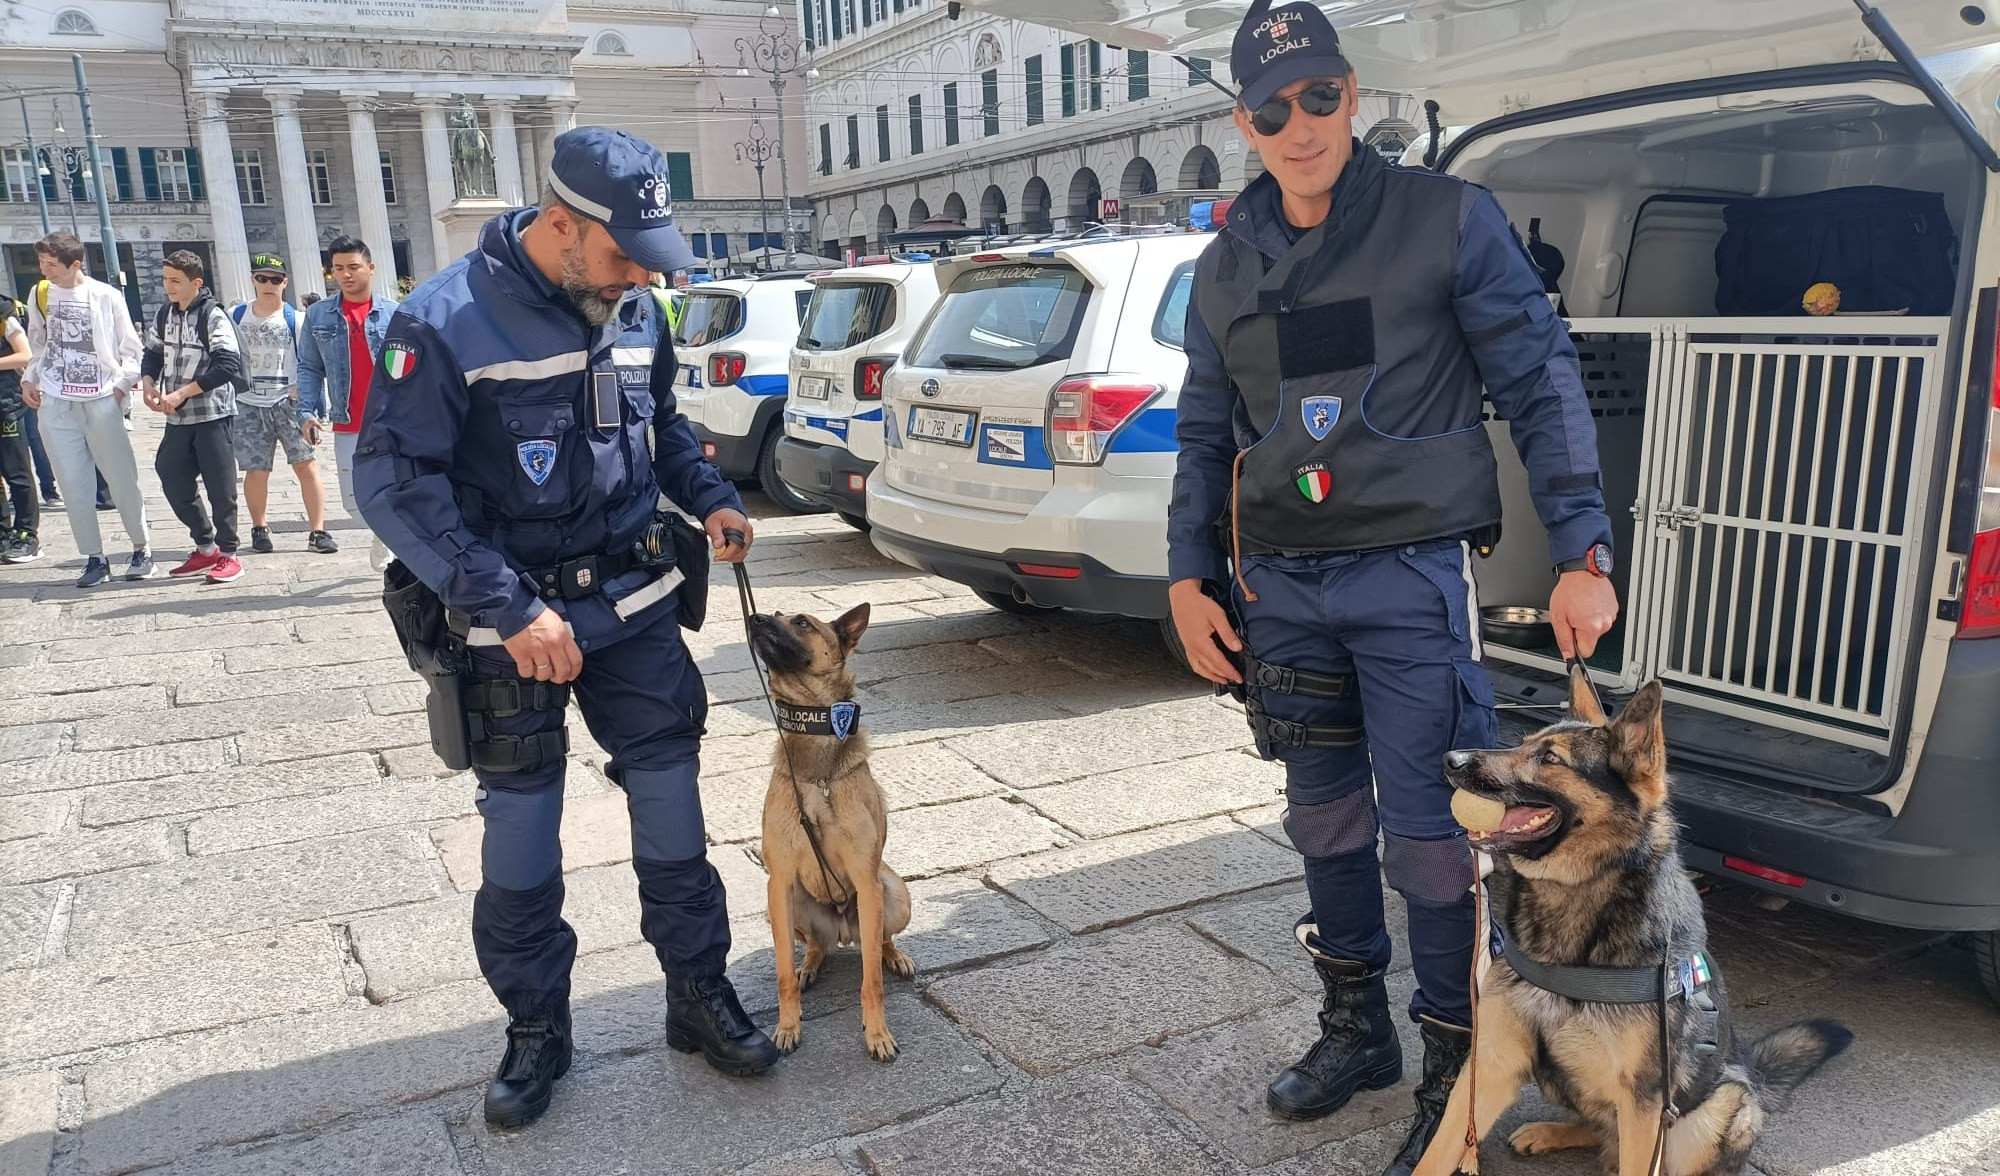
829	886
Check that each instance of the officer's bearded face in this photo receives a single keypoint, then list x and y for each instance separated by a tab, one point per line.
1309	152
596	274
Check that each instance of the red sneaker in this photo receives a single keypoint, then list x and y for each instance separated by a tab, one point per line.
226	569
198	564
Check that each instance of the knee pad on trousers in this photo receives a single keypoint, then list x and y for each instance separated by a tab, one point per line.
1337	827
523	842
666	813
1438	871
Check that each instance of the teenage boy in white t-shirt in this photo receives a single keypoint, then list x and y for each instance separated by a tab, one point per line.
267	413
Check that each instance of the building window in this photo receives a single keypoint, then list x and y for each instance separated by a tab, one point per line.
319	173
1069	81
853	141
74	23
825	149
1138	74
951	114
989	102
1035	90
837	27
388	179
847	10
1201	71
612	45
1096	76
250	175
680	175
176	173
916	124
19	173
867	13
881	134
811	30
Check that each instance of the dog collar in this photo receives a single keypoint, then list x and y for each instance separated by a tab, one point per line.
1687	979
838	720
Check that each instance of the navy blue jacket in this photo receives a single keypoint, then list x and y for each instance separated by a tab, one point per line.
481	454
1530	373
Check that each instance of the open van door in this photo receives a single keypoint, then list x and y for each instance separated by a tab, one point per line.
1482	58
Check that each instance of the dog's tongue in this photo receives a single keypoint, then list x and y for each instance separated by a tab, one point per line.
1523	817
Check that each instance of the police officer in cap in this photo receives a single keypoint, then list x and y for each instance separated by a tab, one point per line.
519	434
1334	479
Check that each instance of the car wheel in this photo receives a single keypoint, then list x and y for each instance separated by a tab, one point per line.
1171	638
854	520
1986	957
774	487
1007	604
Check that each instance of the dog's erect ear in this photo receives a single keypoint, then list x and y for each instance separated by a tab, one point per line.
1584	705
1639	746
850	626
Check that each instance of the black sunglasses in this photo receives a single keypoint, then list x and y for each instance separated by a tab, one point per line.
1319	100
267	279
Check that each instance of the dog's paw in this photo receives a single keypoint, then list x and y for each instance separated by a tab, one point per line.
786	1038
809	973
881	1044
896	961
1534	1139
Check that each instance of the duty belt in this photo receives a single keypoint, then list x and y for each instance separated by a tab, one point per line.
574	578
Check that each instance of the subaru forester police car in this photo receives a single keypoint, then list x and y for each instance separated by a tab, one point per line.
856	326
1029	431
732	346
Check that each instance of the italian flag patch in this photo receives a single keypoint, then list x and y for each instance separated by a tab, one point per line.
398	360
1314	481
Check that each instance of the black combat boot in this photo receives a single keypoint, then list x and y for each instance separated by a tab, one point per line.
703	1014
1445	1047
538	1053
1357	1048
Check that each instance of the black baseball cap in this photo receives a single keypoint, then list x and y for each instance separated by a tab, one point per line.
621	182
267	263
1278	44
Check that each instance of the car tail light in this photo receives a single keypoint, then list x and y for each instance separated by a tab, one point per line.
869	374
1759	870
725	368
1979	611
1086	412
1052	571
989	257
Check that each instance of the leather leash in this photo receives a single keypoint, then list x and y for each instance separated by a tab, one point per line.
841	898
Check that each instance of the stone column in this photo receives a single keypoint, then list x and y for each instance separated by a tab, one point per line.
506	147
231	277
295	188
438	178
368	191
562	117
531	172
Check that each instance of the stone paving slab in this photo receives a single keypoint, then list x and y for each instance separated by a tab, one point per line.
412	1144
23	680
31	816
1099	883
139	995
83	704
949	686
300	655
25	915
1260	927
310	740
83	769
608	1119
140	800
1033	754
28	1104
301	818
937	622
896	726
84	851
946	837
202	898
926	774
1085	1126
218	719
31	742
200	688
397	698
170	641
1159	794
358	629
279	606
1094	997
1267	819
870	665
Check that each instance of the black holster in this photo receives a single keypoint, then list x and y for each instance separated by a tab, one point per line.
436	655
691	556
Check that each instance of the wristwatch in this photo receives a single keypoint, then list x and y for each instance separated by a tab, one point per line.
1596	561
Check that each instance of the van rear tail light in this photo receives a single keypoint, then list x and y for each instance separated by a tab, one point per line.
1760	870
1086	412
725	368
1979	609
869	374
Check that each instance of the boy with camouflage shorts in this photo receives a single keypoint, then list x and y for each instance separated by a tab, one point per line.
267	415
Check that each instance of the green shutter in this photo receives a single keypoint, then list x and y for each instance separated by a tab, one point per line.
1199	71
121	169
1034	92
680	175
989	101
853	141
196	190
916	124
1096	76
1138	74
825	149
1069	81
806	14
951	114
882	134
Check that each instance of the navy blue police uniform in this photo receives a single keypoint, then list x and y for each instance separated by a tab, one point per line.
511	456
1332	448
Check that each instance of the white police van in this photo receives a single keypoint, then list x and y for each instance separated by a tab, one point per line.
1806	505
733	344
1029	430
856	326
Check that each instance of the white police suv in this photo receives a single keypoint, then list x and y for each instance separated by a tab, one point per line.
732	345
856	326
1029	430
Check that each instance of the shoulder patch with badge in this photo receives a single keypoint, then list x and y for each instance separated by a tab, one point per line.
399	359
1314	481
1320	413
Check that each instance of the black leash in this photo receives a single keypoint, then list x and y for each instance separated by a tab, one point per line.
841	899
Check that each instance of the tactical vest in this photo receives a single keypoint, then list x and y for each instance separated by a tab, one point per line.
1360	403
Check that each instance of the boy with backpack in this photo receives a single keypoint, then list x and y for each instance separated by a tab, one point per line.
191	373
267	410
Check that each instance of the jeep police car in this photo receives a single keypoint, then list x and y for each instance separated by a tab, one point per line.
857	324
731	345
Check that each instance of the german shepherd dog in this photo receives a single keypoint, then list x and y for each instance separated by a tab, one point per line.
1588	872
807	658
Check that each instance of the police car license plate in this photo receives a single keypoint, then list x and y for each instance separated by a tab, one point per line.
942	424
814	387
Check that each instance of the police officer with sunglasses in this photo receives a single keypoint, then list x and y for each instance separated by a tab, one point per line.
1348	325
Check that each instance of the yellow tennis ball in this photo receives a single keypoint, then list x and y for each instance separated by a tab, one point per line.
1821	298
1478	814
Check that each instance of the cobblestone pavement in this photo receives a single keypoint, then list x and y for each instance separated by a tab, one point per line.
235	888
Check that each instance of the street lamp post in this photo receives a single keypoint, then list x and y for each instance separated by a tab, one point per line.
773	51
756	150
71	162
